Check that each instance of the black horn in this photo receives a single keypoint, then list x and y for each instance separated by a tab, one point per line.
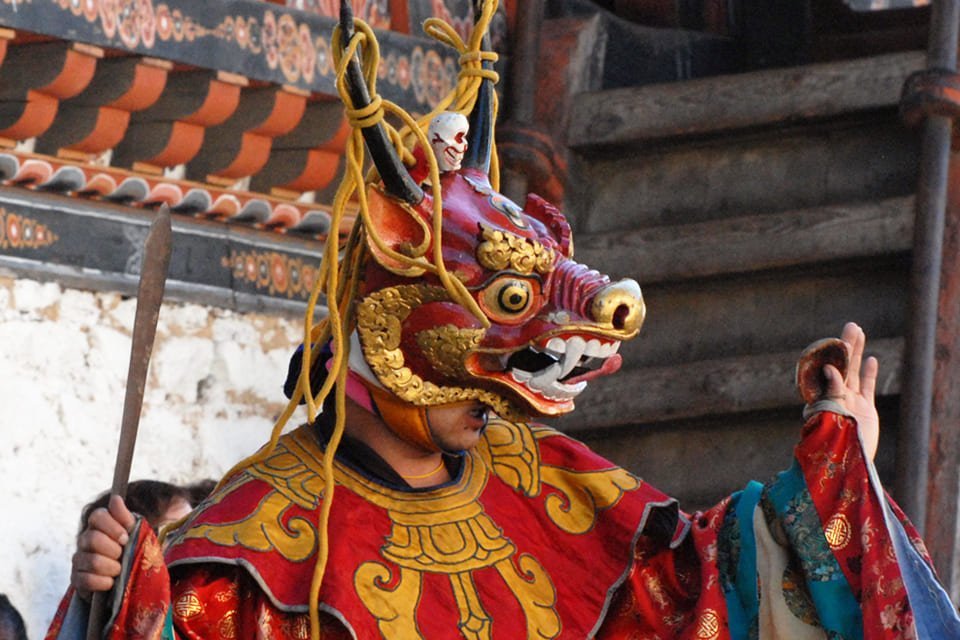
396	178
480	137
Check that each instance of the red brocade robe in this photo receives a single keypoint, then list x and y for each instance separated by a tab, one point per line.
538	537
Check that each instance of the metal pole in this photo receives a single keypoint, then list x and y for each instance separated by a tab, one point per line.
914	436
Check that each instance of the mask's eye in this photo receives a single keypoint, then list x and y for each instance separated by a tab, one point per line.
508	299
514	297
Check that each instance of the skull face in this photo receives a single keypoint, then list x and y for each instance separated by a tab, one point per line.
448	137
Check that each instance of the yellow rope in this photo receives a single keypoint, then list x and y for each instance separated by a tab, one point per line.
340	286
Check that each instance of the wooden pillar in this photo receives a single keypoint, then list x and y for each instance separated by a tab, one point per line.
914	436
942	530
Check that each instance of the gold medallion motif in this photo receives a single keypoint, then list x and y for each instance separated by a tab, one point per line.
708	626
838	531
188	605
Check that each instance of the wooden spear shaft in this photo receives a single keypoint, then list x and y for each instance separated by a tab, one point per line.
153	276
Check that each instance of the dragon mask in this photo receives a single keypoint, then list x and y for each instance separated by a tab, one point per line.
531	326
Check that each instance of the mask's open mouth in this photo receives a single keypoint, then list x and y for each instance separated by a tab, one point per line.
549	376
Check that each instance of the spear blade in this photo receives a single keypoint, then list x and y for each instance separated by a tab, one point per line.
153	277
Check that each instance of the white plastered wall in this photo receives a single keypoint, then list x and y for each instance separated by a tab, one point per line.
213	393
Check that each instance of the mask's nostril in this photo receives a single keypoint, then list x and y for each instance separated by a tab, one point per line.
620	316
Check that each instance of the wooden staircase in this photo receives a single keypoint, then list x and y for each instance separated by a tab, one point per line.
759	211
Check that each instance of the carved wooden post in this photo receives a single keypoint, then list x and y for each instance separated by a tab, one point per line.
928	93
932	480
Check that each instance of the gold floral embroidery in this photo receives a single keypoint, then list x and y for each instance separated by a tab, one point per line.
654	587
265	623
226	595
147	622
227	627
297	627
152	558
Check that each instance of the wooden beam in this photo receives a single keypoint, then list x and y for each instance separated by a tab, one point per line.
35	78
749	100
707	388
240	145
308	158
172	131
96	119
752	243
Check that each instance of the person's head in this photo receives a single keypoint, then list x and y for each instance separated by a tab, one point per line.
457	427
200	489
11	622
158	502
483	303
456	294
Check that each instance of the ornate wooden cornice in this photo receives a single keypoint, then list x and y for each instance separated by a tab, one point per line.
97	245
224	110
259	40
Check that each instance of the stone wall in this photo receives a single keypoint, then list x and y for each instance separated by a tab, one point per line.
213	393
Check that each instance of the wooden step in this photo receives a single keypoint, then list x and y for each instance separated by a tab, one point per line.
708	388
635	115
752	243
873	157
766	312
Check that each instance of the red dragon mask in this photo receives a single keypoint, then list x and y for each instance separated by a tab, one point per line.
552	324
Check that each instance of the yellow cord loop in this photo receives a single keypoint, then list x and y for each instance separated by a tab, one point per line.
367	116
337	283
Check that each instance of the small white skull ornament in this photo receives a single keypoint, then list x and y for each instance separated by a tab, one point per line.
448	137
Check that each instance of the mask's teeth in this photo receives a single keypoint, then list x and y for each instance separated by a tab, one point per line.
575	348
545	378
594	349
556	347
521	376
